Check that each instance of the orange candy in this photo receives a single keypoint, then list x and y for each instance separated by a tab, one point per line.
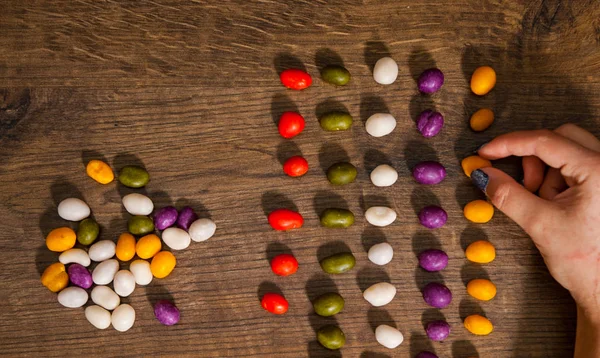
162	264
479	211
61	239
483	80
481	289
478	325
481	252
148	246
474	162
55	277
99	171
482	120
126	247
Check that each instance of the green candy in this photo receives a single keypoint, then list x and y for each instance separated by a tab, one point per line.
337	218
328	304
133	176
336	121
336	75
87	231
331	337
140	225
341	173
338	263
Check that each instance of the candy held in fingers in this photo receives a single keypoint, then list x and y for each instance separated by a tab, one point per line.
99	171
478	325
433	217
284	265
73	209
388	336
166	312
474	162
481	120
433	260
479	211
285	219
430	123
380	294
481	252
430	81
295	79
437	295
483	80
55	277
437	330
429	173
385	71
274	303
290	124
295	166
481	289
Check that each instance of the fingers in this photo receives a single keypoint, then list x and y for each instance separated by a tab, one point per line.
533	173
553	184
525	208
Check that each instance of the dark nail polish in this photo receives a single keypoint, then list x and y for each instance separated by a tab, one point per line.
480	179
479	148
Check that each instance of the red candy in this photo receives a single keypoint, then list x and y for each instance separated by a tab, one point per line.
295	79
290	124
284	219
284	265
274	303
295	166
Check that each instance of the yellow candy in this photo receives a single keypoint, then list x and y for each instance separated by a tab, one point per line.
479	211
478	325
483	80
55	277
148	246
61	239
474	162
481	289
99	171
482	120
162	264
481	252
126	247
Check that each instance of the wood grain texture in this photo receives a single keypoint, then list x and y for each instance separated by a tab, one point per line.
189	89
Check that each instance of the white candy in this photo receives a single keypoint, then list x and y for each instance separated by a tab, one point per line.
124	283
384	175
380	216
175	238
105	297
381	254
98	316
385	71
138	204
72	297
380	294
102	250
141	272
105	272
73	209
388	336
78	256
380	124
202	229
123	317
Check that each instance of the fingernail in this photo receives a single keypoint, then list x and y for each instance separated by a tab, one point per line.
479	148
480	179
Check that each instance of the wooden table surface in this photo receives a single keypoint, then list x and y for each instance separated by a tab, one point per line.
190	90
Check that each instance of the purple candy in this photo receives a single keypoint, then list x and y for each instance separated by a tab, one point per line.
433	217
430	81
438	330
426	354
433	260
186	217
166	312
437	295
429	173
430	123
165	217
80	276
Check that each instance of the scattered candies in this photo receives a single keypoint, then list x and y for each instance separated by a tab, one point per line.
433	217
385	71
162	264
437	330
274	303
331	337
380	294
290	124
481	252
483	80
140	225
478	325
186	217
73	297
148	246
380	124
176	238
202	229
105	297
102	250
429	173
380	216
479	211
381	254
430	81
80	276
481	120
78	256
165	217
284	265
328	304
481	289
133	176
285	219
55	277
166	312
61	239
469	164
341	173
73	209
336	218
141	272
104	273
384	175
433	260
338	263
336	121
295	79
87	231
388	336
98	316
123	317
99	171
437	295
138	204
125	249
430	123
295	166
335	75
124	283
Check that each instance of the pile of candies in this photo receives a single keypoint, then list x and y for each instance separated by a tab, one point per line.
178	230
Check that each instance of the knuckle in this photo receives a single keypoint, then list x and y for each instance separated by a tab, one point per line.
566	128
501	195
544	135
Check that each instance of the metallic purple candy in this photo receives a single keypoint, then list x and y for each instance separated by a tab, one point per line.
186	217
80	276
433	217
433	260
426	354
437	295
438	330
430	123
430	81
166	312
165	217
429	173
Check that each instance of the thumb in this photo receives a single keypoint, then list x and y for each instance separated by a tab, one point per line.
519	204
